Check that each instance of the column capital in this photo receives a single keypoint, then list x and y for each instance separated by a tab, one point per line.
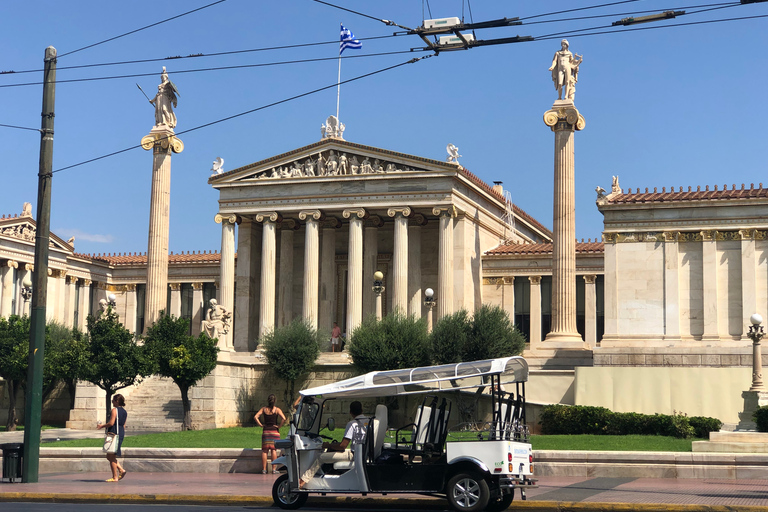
174	286
87	282
610	238
442	211
71	280
535	280
747	234
11	263
403	211
268	217
197	286
565	117
29	267
311	215
160	140
708	235
130	287
590	278
360	213
289	224
226	218
374	221
101	285
331	223
671	236
418	219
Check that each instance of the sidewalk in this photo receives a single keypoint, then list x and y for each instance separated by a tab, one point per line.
554	493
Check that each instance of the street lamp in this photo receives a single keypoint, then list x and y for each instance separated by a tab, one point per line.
378	289
756	333
26	291
429	302
111	300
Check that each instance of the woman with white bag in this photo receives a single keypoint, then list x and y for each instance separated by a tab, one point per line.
115	431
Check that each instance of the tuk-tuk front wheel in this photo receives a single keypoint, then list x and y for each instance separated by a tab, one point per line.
468	492
283	497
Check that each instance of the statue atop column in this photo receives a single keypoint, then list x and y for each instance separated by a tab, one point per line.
565	71
164	101
217	320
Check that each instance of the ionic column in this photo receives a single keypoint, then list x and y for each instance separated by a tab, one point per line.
69	301
414	267
175	299
400	259
445	260
563	119
311	264
355	268
709	284
535	340
227	266
268	257
6	281
327	313
370	261
590	310
285	288
130	307
83	307
671	287
53	295
748	277
197	308
247	291
163	143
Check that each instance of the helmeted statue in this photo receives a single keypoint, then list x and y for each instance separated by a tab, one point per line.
164	101
565	71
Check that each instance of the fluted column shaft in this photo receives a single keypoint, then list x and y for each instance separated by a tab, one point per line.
400	260
285	288
69	301
445	262
355	269
83	308
710	288
311	265
197	308
227	268
268	257
749	303
6	279
370	261
175	299
535	332
327	314
563	122
590	310
414	265
130	308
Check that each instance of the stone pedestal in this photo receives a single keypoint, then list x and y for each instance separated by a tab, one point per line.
752	400
162	141
564	119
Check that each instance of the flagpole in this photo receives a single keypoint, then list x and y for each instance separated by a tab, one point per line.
338	85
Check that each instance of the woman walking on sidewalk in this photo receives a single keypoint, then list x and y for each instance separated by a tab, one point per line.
116	425
271	430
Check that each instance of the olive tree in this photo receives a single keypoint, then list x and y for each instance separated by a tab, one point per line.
14	353
67	350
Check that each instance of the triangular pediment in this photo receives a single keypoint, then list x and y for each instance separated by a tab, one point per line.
24	229
331	157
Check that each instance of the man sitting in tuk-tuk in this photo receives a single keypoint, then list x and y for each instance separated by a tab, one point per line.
354	433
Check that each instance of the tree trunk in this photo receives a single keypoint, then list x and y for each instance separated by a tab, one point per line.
186	407
13	391
72	388
109	403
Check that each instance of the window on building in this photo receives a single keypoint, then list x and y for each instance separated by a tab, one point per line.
141	295
523	306
186	304
581	300
546	305
600	296
76	319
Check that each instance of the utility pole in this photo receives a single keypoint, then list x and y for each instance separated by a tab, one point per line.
34	401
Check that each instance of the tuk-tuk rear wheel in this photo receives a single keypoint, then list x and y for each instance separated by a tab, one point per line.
468	492
284	498
500	502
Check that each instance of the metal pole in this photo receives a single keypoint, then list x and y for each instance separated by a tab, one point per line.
34	395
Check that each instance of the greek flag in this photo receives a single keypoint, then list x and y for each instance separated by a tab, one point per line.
348	40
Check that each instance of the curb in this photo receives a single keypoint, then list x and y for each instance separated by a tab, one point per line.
355	502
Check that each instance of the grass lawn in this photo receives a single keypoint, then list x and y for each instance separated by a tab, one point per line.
250	437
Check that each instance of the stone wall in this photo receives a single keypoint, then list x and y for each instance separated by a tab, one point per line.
55	408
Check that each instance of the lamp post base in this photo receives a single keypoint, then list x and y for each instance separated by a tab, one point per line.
752	400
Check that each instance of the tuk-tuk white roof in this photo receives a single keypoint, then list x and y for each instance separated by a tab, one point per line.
427	379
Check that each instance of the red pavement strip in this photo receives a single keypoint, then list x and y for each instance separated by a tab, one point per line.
592	495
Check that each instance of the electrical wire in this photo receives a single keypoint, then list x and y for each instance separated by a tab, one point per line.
228	118
20	127
220	68
142	28
632	13
579	9
349	10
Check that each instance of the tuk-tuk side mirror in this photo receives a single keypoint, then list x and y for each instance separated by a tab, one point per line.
331	424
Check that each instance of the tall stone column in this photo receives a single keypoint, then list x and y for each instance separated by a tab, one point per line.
355	268
415	299
709	280
327	314
370	261
535	331
175	299
69	300
311	264
59	313
197	308
130	308
227	271
400	259
268	257
563	119
748	277
671	286
162	141
590	310
285	288
83	307
445	260
53	294
6	280
247	289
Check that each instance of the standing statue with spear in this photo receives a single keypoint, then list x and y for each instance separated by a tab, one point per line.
164	101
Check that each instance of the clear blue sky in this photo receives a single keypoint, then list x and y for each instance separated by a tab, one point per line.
664	107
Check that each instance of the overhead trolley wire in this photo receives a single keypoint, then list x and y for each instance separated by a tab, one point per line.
20	127
228	118
630	13
579	9
142	28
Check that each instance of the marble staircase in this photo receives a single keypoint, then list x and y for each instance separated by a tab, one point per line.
155	405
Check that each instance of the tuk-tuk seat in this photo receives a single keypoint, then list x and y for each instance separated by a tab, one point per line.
379	432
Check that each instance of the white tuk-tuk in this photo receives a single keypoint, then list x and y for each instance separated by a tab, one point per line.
478	471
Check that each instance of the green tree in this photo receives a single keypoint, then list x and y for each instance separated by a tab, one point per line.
175	354
14	353
449	337
492	334
115	360
397	341
67	351
291	352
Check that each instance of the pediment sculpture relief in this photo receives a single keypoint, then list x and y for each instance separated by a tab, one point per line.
332	163
26	232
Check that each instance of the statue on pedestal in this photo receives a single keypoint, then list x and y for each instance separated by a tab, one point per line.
217	320
565	71
164	101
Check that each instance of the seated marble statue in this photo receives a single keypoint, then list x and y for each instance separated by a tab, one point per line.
217	320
